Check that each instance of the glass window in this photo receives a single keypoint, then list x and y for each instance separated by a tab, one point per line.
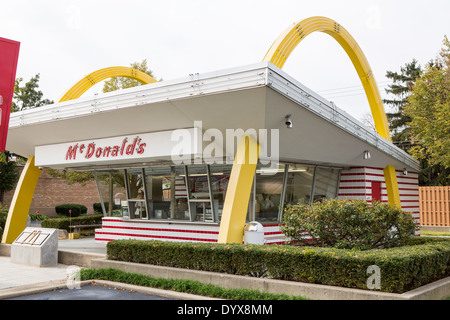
199	193
268	191
326	183
299	183
220	177
166	193
136	193
111	188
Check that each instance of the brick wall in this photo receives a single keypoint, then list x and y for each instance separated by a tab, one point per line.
51	192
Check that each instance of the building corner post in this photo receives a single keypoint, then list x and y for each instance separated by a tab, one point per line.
20	204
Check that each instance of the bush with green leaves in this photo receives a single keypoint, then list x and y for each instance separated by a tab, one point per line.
64	223
71	209
98	208
37	217
3	217
347	224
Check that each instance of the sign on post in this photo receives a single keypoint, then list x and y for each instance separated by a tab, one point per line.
9	55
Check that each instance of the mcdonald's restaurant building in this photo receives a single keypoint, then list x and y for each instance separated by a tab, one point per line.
193	156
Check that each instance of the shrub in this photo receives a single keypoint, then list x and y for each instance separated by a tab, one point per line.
421	261
347	224
77	209
98	207
3	217
37	217
64	223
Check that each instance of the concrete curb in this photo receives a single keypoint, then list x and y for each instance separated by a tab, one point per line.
32	289
78	258
434	291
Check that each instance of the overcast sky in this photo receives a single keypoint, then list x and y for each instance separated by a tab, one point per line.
66	40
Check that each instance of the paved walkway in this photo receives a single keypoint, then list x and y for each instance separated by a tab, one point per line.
86	245
14	275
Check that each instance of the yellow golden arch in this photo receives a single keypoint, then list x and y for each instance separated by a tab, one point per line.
292	36
232	230
95	77
20	204
242	174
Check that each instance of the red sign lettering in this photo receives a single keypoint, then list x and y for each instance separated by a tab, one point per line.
124	149
72	152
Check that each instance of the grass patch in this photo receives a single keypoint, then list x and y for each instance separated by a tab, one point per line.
182	285
435	233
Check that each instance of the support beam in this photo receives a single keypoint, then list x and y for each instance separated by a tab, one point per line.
392	187
20	204
238	193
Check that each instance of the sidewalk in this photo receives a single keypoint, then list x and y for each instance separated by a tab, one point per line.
15	275
85	245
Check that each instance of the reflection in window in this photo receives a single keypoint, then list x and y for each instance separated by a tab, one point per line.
111	189
197	192
166	193
268	190
220	177
137	208
326	183
299	183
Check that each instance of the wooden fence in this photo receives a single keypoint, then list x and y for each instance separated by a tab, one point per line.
434	206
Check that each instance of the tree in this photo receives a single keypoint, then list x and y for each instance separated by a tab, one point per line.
429	110
400	89
8	173
28	96
24	97
117	83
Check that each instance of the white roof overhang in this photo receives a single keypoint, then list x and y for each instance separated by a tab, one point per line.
250	97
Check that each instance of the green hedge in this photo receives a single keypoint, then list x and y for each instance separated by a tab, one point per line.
98	207
77	209
64	223
403	268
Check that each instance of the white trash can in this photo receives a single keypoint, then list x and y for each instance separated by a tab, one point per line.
254	233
